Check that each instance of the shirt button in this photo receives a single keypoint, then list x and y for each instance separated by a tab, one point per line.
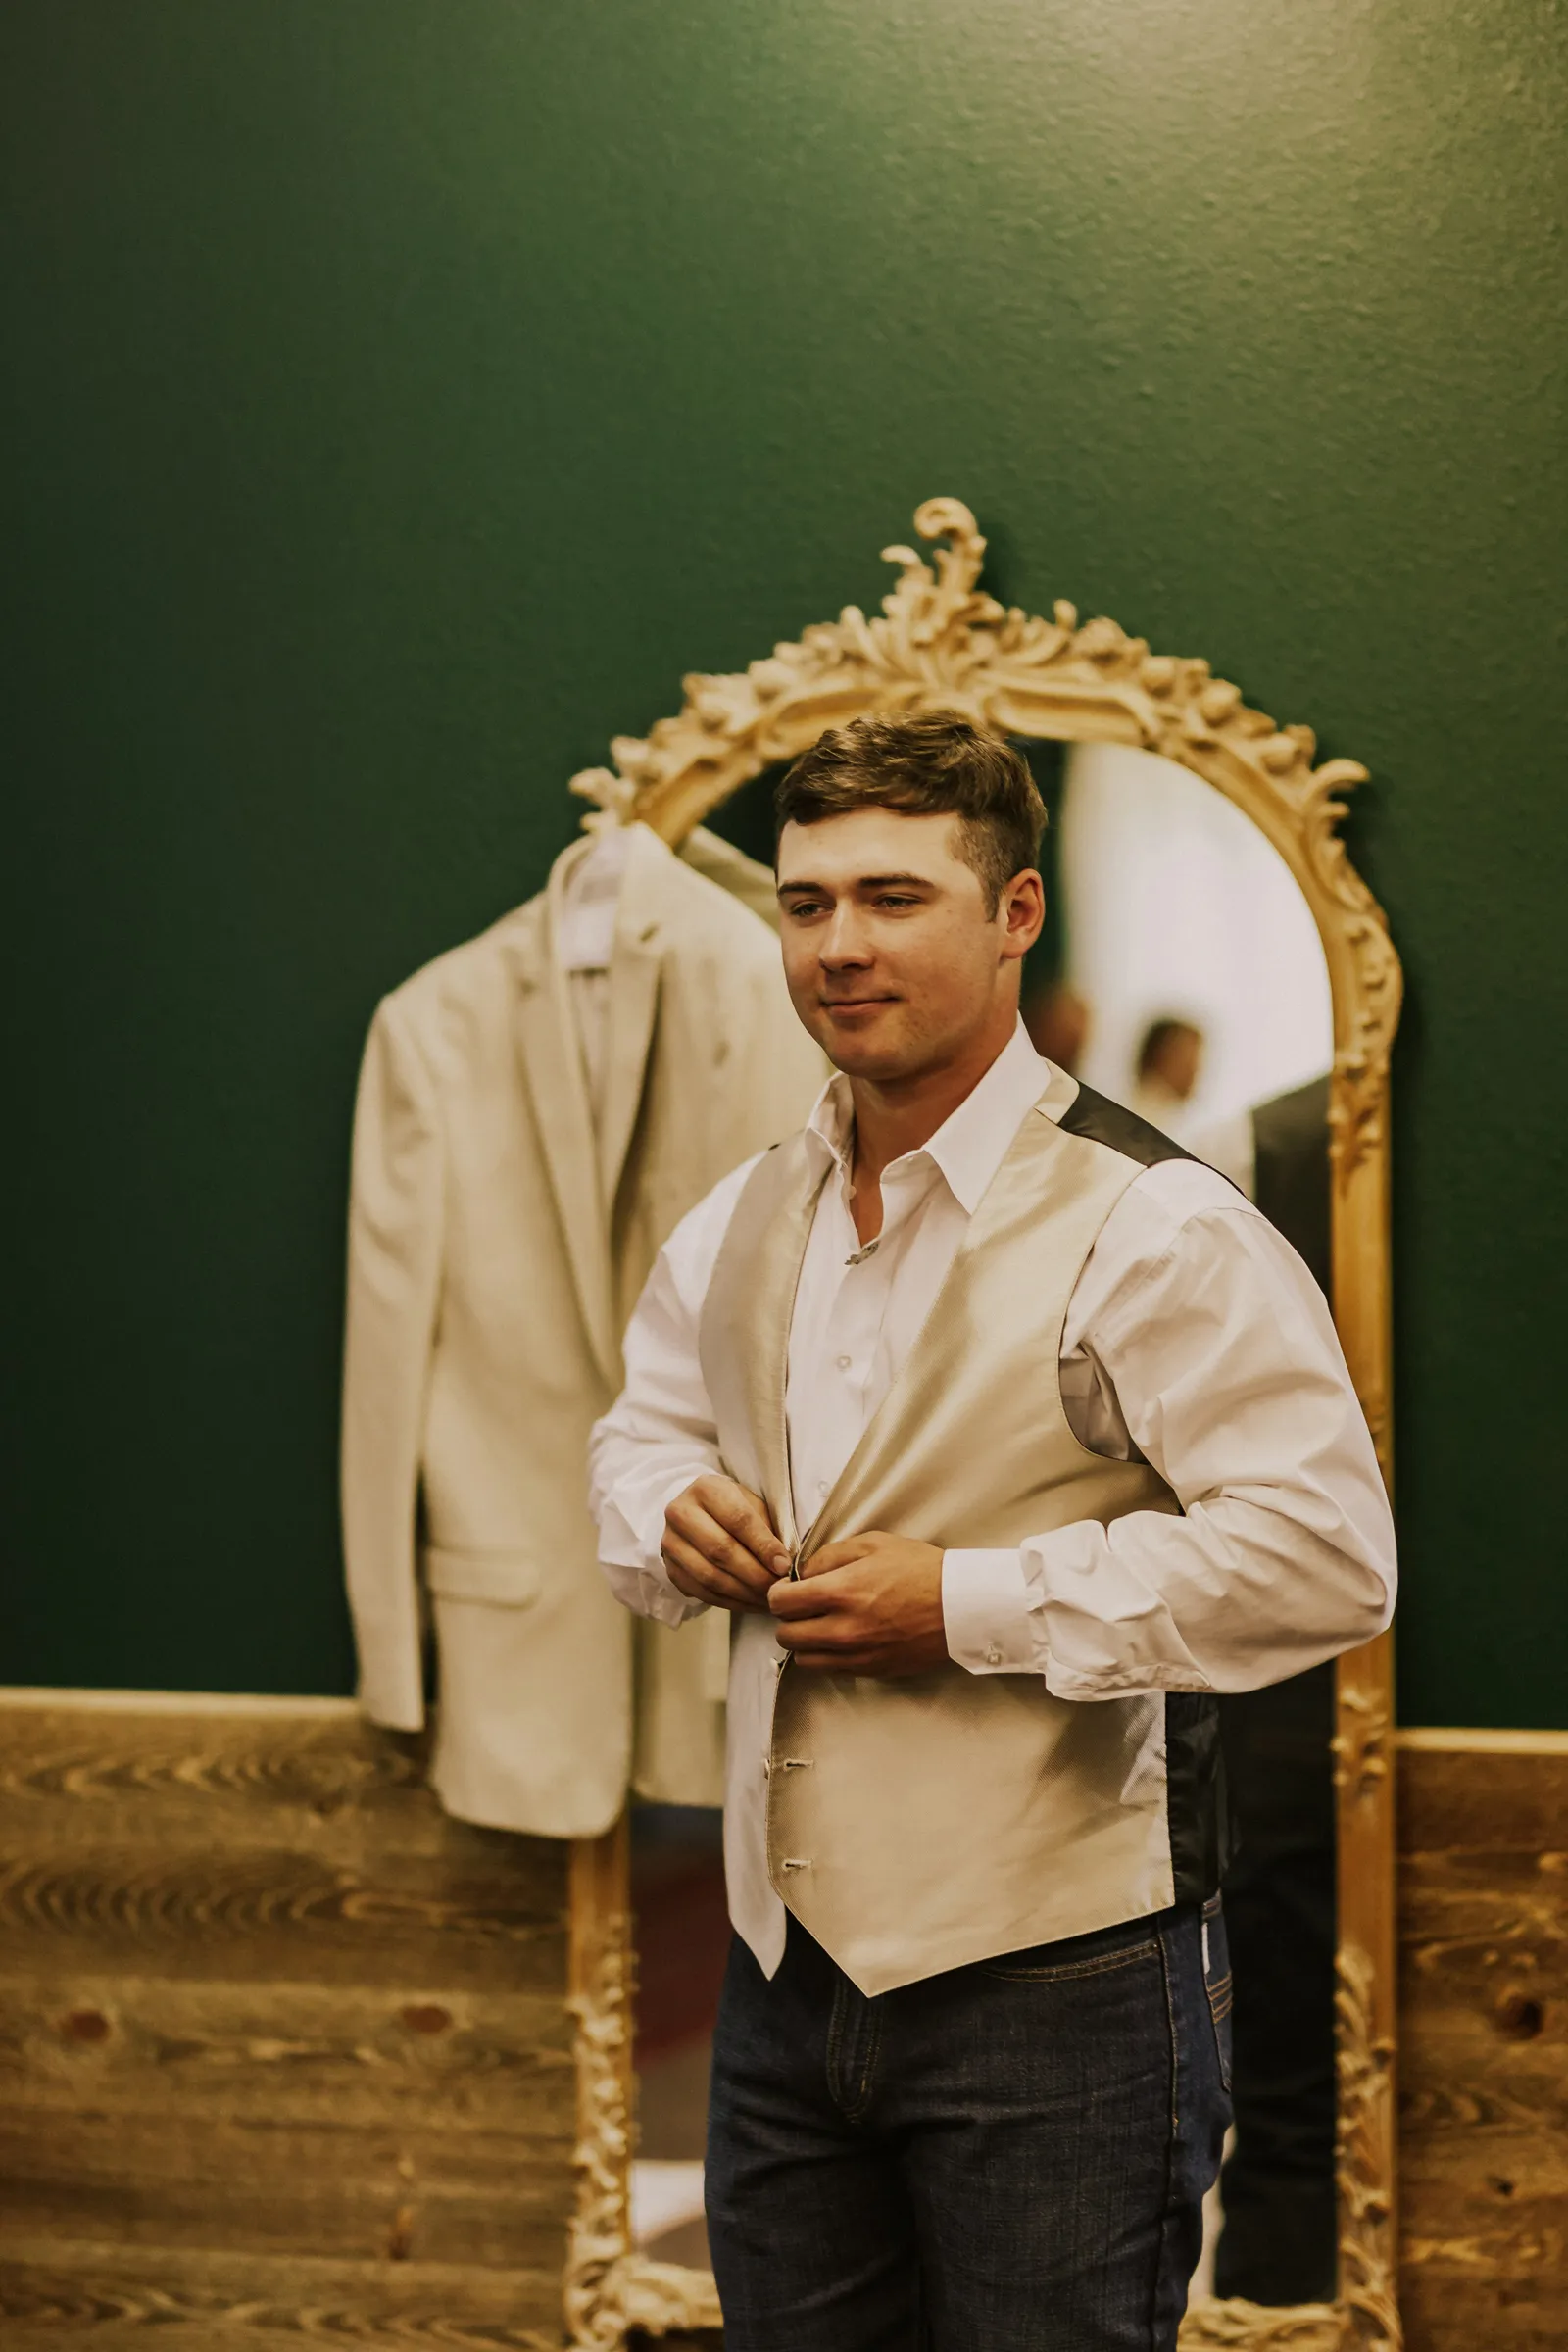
993	1655
845	1362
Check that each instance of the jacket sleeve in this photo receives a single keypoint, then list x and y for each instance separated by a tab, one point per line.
394	1219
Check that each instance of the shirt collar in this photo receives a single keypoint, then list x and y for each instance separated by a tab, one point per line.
971	1143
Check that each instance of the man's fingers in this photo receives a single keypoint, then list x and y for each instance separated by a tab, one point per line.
740	1513
700	1580
816	1620
810	1597
840	1555
829	1629
729	1527
691	1525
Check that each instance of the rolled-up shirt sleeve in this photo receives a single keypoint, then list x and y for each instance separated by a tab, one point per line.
1216	1352
660	1434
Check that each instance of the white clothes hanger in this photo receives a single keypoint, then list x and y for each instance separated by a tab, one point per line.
586	931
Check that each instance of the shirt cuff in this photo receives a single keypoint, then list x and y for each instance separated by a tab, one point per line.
985	1610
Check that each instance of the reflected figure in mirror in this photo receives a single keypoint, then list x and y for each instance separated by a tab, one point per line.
1277	2244
1057	1020
681	1937
1170	1060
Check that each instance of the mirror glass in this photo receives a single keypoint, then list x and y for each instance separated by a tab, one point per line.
680	1933
1188	981
1181	974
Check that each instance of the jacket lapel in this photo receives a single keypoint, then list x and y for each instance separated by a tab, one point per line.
635	968
552	1061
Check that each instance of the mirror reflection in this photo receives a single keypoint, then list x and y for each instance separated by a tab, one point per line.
1195	972
1180	973
682	1933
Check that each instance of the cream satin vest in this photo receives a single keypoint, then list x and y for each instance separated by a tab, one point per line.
917	1825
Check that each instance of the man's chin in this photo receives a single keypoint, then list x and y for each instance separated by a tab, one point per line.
878	1058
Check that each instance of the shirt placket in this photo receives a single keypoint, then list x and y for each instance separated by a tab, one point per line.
844	1391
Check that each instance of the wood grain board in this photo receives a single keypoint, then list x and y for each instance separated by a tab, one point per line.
283	2051
1484	2040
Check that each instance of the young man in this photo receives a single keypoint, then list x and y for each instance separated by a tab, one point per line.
1008	1436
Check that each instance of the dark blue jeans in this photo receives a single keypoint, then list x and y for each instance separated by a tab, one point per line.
1009	2157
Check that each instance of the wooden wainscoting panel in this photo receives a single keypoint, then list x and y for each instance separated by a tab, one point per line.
283	2051
107	2298
1484	2040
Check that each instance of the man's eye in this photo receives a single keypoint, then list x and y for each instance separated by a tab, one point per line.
891	897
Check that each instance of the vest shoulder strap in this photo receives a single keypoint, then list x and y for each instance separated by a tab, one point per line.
1099	1120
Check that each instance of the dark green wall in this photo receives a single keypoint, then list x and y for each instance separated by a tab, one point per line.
402	394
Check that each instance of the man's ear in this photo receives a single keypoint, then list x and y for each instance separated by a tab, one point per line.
1024	906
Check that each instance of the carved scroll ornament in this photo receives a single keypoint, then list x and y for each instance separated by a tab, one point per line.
941	642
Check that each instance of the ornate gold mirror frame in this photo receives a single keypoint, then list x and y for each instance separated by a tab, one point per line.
943	642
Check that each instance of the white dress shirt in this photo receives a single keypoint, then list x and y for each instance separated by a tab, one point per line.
1195	1338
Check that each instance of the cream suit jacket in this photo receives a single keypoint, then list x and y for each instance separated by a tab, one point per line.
497	1245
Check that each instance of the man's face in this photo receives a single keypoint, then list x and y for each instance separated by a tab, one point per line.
893	962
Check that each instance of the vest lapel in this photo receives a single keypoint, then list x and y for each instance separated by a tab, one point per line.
551	1062
746	1340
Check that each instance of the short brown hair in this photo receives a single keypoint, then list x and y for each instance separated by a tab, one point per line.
930	765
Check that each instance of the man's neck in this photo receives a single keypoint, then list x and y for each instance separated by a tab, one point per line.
897	1116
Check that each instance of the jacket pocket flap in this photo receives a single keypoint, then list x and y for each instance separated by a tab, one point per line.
508	1580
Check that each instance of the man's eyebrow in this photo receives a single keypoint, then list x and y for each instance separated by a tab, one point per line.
868	882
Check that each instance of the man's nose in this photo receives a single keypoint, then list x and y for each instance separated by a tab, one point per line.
844	941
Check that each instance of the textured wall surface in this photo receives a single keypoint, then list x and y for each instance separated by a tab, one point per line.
1483	2042
401	396
287	2052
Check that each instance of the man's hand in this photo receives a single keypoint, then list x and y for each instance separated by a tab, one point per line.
720	1546
871	1604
